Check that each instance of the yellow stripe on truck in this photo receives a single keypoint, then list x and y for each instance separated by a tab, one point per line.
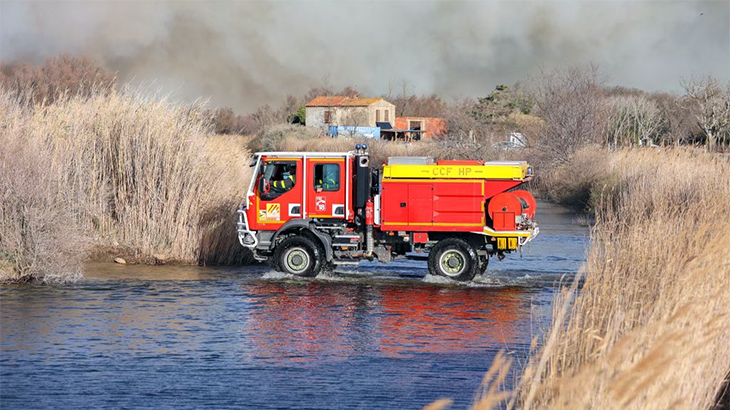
516	170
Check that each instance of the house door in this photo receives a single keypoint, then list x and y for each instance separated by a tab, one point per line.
415	126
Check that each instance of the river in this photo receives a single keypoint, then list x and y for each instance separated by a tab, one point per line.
383	336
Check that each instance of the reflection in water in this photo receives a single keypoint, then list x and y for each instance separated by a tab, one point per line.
433	320
326	321
314	320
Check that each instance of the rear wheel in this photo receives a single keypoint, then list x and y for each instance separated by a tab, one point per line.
453	258
299	256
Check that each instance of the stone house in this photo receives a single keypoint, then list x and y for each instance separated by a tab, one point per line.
338	111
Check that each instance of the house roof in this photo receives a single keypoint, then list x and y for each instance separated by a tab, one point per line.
341	101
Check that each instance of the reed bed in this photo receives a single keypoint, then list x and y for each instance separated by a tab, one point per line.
129	173
39	235
650	326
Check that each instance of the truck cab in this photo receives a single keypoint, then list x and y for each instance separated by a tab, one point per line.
297	186
305	211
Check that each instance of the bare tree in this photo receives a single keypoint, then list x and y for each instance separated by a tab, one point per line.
57	77
569	101
631	120
462	126
679	124
710	102
408	104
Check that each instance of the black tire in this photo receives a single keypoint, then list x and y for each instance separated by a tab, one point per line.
453	258
299	256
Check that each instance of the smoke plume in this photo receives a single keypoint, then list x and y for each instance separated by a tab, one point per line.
244	54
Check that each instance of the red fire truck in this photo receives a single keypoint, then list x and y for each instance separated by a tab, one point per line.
305	211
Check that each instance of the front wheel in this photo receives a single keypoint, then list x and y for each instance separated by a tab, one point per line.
299	256
453	258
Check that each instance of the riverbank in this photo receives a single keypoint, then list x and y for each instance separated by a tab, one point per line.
649	328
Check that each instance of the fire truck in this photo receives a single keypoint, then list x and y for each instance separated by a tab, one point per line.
309	211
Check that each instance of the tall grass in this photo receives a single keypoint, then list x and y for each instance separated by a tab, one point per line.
133	173
650	326
39	235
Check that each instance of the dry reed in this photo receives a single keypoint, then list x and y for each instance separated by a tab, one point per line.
135	173
650	326
39	236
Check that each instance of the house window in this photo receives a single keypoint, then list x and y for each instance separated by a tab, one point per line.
387	119
327	117
327	177
377	115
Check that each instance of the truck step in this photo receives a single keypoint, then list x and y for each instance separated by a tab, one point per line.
346	241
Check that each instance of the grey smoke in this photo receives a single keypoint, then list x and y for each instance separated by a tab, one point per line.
244	54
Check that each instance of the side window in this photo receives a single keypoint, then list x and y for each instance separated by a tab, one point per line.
327	177
386	116
327	117
276	179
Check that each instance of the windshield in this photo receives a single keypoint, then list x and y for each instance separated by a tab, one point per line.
273	171
268	170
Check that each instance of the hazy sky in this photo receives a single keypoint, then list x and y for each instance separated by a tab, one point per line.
246	53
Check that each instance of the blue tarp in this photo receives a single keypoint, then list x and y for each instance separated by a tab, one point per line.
355	132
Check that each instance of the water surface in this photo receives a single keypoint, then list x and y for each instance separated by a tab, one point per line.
375	336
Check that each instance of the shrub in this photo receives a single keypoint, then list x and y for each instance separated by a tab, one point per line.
573	182
273	137
649	328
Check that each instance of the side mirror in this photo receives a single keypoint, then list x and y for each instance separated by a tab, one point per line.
261	184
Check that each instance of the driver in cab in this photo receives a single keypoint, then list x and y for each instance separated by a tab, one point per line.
285	183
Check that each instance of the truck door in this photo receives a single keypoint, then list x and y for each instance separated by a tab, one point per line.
278	193
326	188
420	204
394	204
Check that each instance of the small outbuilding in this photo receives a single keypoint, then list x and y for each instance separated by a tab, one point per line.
416	128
